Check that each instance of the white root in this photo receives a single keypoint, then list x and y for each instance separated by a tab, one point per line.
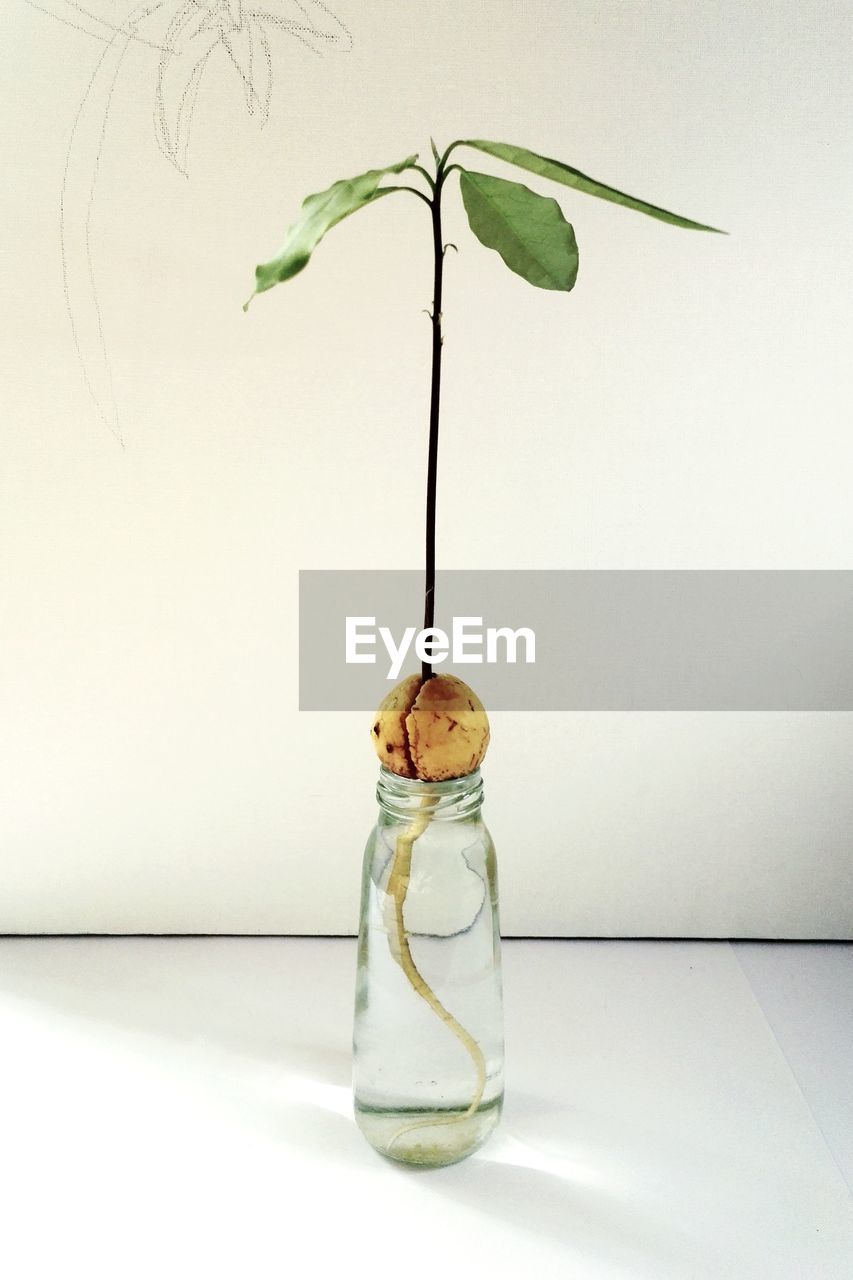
398	883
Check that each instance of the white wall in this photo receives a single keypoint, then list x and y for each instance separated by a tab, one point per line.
686	406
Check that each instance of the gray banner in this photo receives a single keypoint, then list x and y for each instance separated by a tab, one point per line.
653	640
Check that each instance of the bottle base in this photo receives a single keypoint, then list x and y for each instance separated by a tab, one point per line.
428	1138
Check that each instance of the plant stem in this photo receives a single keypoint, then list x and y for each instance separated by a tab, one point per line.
427	175
434	404
398	879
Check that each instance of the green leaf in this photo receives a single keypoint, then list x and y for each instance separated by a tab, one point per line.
527	230
320	213
569	177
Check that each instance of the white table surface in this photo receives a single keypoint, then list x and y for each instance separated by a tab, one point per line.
181	1108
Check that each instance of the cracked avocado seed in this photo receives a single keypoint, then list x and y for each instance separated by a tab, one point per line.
433	729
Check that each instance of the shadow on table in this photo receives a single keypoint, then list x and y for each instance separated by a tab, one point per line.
639	1202
592	1225
534	1178
234	996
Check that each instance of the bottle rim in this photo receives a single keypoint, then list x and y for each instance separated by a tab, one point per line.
451	798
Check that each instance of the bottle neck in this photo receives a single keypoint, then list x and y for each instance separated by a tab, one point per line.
402	798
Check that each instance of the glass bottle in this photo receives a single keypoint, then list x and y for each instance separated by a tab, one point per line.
428	1033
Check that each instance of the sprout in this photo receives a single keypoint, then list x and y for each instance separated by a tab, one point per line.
434	728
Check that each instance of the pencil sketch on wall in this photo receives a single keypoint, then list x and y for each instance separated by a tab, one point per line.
184	38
